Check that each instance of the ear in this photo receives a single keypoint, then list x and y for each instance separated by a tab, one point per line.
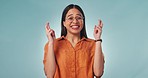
64	23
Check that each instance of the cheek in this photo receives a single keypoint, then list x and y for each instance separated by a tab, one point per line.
82	24
65	24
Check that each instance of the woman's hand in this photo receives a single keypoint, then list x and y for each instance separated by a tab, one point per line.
98	30
50	33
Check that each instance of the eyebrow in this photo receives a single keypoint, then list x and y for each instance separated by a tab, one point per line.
76	14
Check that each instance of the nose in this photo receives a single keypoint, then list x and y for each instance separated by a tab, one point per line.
75	21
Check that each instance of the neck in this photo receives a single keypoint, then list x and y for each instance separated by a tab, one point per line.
73	38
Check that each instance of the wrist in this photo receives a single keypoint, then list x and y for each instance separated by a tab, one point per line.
98	40
50	43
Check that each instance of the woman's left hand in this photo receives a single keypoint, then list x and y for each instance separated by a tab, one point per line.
98	30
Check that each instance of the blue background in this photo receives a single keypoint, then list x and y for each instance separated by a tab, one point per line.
22	35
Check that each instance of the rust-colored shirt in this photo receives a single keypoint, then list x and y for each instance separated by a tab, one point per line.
72	62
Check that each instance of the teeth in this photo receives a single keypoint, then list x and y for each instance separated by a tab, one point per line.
75	26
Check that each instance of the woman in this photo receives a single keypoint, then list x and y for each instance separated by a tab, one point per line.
73	55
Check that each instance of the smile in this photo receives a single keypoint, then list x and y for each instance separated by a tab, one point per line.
75	27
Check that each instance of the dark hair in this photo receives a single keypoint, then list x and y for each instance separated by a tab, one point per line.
63	28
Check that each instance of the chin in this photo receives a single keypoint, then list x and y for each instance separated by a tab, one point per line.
75	32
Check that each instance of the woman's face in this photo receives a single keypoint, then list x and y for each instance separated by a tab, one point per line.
73	21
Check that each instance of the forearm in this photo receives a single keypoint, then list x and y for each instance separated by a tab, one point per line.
50	65
98	60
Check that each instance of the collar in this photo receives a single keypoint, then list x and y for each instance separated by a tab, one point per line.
64	38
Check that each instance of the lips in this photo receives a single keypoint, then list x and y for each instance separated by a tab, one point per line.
75	26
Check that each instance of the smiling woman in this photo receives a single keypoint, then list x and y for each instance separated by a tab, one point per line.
73	22
73	55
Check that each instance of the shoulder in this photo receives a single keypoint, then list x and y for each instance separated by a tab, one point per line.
55	41
90	41
46	45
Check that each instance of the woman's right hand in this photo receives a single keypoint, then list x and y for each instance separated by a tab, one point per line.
50	33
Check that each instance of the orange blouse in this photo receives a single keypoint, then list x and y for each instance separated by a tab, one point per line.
72	62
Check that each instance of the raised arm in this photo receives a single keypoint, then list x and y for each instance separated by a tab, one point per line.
49	57
98	66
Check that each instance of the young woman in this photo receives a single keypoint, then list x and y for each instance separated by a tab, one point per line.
73	55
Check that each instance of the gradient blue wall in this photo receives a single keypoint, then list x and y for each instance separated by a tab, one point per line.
22	35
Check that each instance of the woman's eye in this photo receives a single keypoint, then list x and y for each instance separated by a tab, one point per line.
70	18
79	18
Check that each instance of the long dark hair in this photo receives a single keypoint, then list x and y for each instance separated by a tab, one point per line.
63	28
